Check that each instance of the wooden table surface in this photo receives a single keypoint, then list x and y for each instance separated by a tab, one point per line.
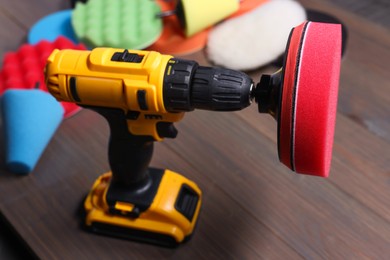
254	207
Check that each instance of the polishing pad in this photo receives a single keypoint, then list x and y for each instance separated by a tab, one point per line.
172	40
117	23
201	14
323	17
23	69
51	27
246	6
308	103
255	38
30	118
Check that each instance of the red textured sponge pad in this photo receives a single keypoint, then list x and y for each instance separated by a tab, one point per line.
309	98
23	69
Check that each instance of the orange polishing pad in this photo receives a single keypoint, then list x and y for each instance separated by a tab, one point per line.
307	112
246	6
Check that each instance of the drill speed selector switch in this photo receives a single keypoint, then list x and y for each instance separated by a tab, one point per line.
125	56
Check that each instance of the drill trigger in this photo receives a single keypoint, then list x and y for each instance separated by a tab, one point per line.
166	129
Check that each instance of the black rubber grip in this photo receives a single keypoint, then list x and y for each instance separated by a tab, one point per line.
128	155
220	89
188	86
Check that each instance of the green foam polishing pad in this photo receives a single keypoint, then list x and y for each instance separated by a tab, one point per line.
30	119
129	24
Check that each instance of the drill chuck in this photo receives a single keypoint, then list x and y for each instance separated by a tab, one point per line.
188	86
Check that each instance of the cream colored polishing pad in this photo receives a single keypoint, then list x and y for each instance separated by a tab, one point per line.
255	38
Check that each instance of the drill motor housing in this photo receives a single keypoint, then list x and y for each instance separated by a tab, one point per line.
100	78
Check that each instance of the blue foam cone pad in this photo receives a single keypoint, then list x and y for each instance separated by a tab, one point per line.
30	118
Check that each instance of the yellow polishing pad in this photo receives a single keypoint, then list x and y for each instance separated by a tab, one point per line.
200	14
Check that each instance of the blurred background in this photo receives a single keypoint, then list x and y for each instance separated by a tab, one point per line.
355	102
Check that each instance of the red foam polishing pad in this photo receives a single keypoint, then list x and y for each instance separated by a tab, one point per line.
23	69
309	98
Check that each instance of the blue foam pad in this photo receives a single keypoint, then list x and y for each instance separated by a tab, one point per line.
30	118
51	27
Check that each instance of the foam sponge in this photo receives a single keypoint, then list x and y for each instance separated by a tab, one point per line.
200	14
247	6
51	27
307	112
255	38
23	69
117	23
172	40
30	118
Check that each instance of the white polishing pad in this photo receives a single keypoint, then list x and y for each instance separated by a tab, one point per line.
255	38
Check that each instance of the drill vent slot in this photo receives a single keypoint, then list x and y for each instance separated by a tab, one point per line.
187	202
53	87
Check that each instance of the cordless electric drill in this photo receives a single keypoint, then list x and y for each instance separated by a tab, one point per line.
141	94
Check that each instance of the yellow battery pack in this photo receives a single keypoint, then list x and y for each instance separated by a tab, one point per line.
168	221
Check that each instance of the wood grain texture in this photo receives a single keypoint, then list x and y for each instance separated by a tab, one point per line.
254	207
376	11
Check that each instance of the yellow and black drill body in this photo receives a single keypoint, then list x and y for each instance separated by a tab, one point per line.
141	94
